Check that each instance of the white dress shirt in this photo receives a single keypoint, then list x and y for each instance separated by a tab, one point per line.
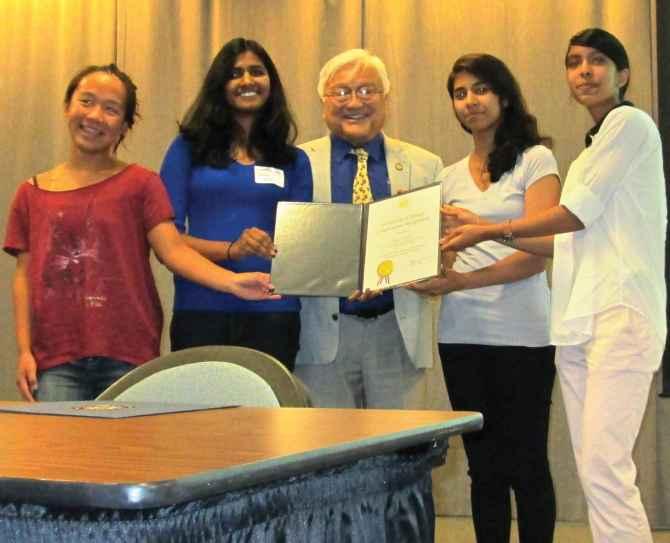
616	188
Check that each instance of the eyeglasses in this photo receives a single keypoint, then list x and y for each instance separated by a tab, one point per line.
364	93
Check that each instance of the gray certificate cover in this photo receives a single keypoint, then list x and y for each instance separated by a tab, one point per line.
328	249
318	249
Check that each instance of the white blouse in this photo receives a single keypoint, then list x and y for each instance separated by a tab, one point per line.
616	188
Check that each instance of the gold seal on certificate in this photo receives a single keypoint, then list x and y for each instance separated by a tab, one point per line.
384	271
328	249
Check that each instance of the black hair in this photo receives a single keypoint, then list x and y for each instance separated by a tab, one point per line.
130	112
518	128
209	124
606	43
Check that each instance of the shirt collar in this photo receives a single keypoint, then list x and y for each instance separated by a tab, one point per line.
341	148
588	139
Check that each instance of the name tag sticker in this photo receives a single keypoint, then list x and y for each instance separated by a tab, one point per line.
265	174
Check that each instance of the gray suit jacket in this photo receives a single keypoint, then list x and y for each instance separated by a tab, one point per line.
408	167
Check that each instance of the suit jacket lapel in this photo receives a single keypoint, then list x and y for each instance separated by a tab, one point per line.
398	166
319	154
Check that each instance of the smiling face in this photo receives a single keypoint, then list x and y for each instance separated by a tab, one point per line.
356	118
249	86
593	79
476	106
95	113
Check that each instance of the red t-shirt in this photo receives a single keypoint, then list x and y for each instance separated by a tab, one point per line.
92	292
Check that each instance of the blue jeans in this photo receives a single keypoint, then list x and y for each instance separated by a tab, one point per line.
80	380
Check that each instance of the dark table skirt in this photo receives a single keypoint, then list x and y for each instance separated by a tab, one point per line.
377	500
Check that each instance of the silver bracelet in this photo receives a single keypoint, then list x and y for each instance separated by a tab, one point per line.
508	236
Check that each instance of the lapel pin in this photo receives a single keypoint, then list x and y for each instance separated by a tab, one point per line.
398	166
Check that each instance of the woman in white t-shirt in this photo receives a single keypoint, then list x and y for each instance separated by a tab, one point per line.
494	323
608	295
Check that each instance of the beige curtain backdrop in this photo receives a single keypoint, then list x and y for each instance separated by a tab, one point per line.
167	45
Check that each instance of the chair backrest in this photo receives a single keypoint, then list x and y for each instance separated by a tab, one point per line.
212	374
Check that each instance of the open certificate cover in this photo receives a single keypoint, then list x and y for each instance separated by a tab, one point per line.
334	249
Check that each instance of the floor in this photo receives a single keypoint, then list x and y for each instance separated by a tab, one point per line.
459	530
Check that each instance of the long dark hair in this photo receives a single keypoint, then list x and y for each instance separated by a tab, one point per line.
608	45
210	127
518	128
130	112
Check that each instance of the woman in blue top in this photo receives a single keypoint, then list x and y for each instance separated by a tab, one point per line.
231	163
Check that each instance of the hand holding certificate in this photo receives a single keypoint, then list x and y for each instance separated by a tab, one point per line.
335	249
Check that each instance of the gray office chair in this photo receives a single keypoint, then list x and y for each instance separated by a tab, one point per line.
212	374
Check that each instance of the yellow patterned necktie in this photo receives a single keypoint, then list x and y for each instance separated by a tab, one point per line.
361	190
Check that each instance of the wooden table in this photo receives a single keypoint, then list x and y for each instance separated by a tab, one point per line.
156	461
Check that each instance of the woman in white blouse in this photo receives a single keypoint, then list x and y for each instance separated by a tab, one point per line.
608	294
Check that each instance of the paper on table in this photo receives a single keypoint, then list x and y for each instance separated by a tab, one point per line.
106	409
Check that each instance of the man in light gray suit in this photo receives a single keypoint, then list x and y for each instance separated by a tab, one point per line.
368	350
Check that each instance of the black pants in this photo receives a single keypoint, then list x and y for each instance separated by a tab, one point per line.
275	333
511	387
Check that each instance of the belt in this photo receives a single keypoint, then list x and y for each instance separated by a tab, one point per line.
370	313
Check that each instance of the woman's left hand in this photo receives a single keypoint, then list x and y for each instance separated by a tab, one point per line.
453	216
253	241
463	237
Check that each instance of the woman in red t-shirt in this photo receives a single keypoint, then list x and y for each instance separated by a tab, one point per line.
86	307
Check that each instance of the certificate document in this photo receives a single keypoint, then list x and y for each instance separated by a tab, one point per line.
402	237
334	249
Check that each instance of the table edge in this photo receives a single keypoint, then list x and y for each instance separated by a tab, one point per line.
215	482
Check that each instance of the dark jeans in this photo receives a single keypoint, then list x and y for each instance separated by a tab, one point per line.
511	387
80	380
276	333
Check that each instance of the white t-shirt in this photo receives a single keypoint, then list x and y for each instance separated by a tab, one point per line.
617	189
514	313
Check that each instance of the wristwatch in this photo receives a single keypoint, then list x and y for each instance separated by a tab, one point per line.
508	236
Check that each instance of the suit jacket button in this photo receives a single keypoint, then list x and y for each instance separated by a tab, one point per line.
335	317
